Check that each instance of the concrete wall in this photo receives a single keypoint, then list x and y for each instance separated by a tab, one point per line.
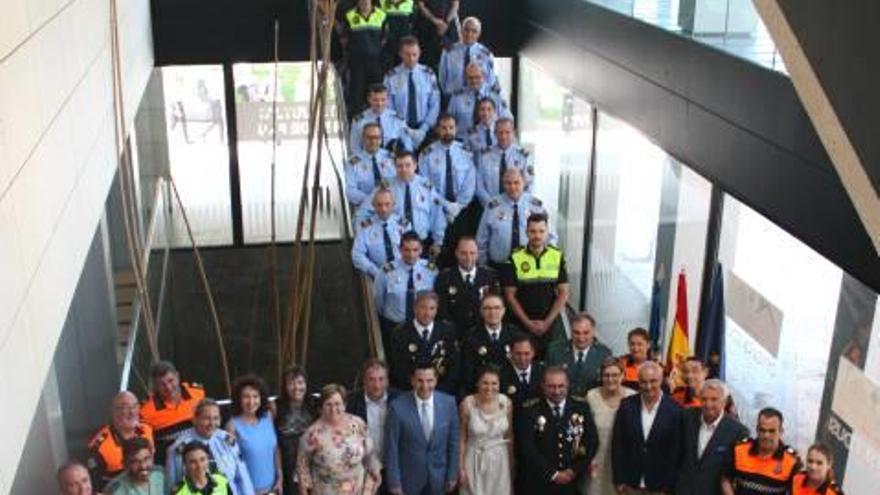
56	165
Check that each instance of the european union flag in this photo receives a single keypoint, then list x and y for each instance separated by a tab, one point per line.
710	338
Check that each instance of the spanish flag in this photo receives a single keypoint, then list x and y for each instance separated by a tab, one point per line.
678	341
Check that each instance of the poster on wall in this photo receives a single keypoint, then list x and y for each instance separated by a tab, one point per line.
851	401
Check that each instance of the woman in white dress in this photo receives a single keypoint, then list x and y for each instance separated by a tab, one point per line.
604	402
486	445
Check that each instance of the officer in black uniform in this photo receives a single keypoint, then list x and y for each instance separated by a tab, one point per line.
462	287
425	339
363	36
557	438
487	343
521	375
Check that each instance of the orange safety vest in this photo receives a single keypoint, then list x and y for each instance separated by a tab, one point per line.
682	396
106	450
799	487
168	420
754	474
630	372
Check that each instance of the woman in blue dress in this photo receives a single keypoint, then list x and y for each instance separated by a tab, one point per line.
252	424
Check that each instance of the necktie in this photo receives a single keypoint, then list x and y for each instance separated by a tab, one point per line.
556	412
524	378
381	132
502	169
410	295
425	335
514	228
467	61
377	175
426	421
580	359
450	192
407	205
412	112
488	138
494	337
467	280
389	249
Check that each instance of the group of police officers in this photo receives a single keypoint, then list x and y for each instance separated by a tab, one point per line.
436	178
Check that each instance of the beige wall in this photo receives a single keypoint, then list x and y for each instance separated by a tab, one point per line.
56	165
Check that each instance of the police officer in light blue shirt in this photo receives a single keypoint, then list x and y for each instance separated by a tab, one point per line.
225	453
413	91
376	244
395	133
414	200
481	138
506	154
463	104
369	167
468	51
450	168
396	286
503	224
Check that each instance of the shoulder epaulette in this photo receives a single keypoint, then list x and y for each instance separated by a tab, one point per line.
532	402
388	267
536	201
427	69
354	160
431	266
366	223
493	203
384	184
524	152
229	440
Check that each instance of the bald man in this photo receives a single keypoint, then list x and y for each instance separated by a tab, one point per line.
105	448
73	479
646	441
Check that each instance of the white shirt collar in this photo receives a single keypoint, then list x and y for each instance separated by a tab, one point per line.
464	273
519	372
713	424
379	401
419	401
575	350
561	405
654	408
420	328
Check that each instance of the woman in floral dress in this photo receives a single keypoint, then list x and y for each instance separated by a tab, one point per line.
335	454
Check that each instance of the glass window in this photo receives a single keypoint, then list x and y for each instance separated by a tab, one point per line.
650	218
504	71
196	116
781	301
556	127
254	84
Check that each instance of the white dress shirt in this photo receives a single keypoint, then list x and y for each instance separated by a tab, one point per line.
575	351
426	406
706	432
561	406
421	329
528	372
648	417
493	332
472	272
376	412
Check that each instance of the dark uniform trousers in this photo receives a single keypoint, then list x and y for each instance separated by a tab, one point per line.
460	303
409	349
479	351
547	444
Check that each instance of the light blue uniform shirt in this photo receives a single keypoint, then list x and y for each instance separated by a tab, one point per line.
489	170
389	290
480	139
393	127
452	66
464	102
427	97
427	205
432	165
368	252
359	178
496	225
225	453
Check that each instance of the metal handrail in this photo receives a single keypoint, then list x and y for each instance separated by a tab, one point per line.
161	208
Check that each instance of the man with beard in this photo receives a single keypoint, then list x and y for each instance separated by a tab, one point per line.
140	475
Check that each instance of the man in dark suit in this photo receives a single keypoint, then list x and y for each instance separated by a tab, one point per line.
487	343
372	405
462	287
646	440
421	438
556	437
521	375
425	339
708	439
581	356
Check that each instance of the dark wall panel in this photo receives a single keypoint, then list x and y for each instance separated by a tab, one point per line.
736	123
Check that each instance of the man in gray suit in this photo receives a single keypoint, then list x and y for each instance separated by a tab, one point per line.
581	356
421	438
709	436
